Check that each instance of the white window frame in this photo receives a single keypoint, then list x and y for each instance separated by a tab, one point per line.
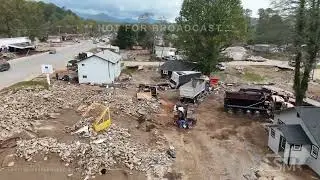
165	72
297	147
314	147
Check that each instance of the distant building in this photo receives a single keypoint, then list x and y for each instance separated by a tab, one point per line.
295	137
161	52
101	68
54	39
168	67
15	44
115	49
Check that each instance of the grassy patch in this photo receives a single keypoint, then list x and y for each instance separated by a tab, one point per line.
318	67
42	84
252	77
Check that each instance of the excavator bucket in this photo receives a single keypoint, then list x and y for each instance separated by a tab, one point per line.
103	121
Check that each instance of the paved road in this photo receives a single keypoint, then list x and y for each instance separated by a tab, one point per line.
29	67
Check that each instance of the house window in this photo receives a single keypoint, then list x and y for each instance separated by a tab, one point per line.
165	72
273	133
297	147
283	143
82	64
314	151
84	76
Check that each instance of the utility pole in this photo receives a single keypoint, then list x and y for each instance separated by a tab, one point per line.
59	30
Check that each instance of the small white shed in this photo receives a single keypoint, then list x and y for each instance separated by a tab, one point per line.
101	68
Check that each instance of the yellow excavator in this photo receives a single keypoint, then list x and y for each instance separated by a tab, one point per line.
103	121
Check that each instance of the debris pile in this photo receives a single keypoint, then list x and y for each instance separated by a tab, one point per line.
20	109
257	59
7	56
236	53
125	103
113	147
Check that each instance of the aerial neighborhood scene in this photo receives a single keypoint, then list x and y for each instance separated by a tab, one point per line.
160	90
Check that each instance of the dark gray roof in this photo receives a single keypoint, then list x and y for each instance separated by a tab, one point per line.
294	134
311	119
177	65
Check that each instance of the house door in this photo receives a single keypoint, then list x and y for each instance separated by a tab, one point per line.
282	144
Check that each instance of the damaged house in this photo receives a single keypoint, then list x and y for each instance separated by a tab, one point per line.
168	67
295	136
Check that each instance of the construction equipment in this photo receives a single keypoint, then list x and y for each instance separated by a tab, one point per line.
254	100
193	89
182	77
181	111
103	121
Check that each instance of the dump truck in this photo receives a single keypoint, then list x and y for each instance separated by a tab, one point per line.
179	78
260	100
193	89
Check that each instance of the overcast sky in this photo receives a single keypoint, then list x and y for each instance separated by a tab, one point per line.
133	8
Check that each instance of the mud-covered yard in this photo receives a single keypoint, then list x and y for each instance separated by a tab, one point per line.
220	146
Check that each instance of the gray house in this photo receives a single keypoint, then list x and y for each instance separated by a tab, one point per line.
295	136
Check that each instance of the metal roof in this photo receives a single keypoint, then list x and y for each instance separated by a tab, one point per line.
294	134
177	65
107	56
310	117
21	45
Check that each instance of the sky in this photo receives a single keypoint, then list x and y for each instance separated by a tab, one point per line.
169	9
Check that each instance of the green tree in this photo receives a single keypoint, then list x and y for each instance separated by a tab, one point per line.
214	24
307	31
31	18
272	28
126	37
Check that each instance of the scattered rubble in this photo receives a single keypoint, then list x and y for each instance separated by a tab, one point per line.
256	59
22	108
236	53
103	151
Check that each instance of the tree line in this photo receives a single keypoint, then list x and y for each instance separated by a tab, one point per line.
293	21
38	19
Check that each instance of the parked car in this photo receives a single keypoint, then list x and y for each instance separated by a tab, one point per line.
221	66
52	51
4	65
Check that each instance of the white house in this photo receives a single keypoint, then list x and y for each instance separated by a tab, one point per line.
15	43
101	68
295	136
8	41
161	52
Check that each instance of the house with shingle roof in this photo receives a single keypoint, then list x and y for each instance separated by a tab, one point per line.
295	136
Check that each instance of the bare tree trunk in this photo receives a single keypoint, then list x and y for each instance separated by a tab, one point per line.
312	50
298	43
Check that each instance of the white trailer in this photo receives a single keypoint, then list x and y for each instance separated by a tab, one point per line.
192	89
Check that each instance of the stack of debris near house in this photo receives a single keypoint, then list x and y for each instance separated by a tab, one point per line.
104	151
22	108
